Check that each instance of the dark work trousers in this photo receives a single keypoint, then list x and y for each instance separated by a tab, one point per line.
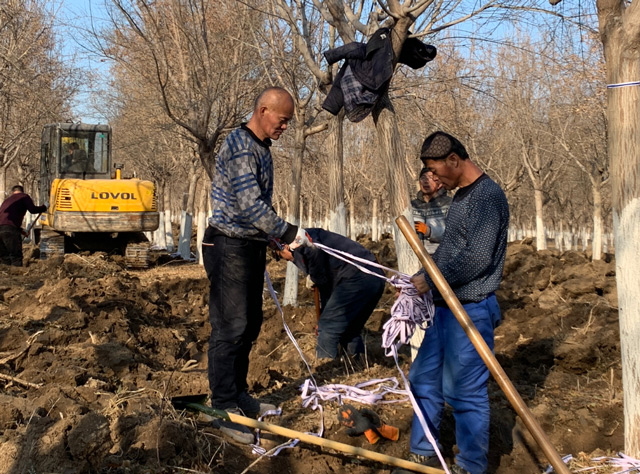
11	245
235	268
351	303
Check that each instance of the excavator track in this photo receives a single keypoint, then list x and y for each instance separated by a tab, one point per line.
51	244
137	254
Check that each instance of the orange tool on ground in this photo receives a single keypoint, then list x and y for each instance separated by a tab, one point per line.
366	422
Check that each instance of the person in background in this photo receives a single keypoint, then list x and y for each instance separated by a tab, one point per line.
79	161
430	209
348	295
234	253
471	258
12	213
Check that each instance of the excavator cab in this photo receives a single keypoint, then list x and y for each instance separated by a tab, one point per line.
91	207
71	150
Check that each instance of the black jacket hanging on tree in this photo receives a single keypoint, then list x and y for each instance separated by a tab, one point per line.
368	68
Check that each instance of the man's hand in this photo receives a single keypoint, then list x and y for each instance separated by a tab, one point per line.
302	240
422	228
420	282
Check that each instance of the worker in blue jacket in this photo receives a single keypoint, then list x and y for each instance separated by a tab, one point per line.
348	295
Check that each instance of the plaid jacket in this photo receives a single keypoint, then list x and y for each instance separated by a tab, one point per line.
242	188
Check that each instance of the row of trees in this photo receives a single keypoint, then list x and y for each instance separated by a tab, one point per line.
35	86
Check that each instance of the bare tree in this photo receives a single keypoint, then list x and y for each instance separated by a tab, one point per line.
35	87
196	57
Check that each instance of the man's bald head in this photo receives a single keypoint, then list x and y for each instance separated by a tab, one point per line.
274	108
272	96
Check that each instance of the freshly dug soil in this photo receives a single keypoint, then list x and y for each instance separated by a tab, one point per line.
91	353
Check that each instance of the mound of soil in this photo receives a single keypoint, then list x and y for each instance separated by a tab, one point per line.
91	354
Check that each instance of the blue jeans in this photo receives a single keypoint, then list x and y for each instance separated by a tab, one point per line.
448	368
235	268
351	303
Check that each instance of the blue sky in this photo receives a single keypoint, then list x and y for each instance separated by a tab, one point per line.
72	19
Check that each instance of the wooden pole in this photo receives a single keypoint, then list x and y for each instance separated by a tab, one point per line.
483	350
304	437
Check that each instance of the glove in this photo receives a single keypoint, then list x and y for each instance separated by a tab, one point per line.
365	422
386	431
302	240
422	229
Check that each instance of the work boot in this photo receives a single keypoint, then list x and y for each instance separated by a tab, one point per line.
431	461
455	469
253	407
235	431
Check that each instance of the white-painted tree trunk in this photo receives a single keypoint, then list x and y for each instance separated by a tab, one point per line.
375	226
186	221
596	246
168	229
619	30
353	231
294	215
392	155
184	242
337	211
541	241
201	223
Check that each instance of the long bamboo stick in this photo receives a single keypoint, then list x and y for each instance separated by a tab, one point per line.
306	438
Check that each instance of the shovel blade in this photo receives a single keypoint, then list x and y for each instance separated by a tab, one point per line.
181	403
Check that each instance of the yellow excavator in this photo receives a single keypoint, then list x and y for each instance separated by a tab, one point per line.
91	206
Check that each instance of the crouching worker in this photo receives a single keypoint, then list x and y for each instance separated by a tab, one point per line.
348	295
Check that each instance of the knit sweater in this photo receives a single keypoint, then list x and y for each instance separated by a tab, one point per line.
473	248
242	189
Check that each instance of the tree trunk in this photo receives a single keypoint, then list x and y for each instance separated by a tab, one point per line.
160	238
597	224
352	220
337	211
186	221
541	240
375	226
3	182
293	212
310	214
620	33
201	223
392	155
168	227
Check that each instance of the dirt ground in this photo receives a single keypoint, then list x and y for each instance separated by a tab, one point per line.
91	353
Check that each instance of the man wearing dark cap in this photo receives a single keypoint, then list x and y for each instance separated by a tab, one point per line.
430	209
12	213
471	257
